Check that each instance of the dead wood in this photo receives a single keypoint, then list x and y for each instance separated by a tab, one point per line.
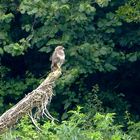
38	99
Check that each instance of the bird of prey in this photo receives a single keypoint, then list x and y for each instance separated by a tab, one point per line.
58	58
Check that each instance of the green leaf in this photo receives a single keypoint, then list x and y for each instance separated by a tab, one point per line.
54	42
110	67
133	58
103	51
1	51
45	49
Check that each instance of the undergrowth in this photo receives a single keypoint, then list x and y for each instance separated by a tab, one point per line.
79	126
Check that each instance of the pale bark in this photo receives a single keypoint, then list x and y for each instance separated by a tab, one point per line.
38	99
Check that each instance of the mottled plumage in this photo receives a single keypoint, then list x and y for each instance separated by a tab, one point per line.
58	58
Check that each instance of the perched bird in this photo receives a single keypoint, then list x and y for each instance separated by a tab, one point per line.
58	58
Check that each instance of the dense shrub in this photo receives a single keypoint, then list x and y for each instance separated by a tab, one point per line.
79	127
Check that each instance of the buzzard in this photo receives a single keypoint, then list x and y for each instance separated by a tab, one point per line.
58	58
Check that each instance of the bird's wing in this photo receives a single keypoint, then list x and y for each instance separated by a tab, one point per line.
51	57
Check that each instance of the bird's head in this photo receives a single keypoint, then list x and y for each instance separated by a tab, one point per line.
59	48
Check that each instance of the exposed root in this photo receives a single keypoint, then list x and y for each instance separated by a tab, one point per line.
30	115
52	118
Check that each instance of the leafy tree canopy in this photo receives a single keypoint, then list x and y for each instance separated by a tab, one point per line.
102	40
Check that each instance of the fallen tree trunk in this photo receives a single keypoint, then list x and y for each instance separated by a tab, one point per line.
38	99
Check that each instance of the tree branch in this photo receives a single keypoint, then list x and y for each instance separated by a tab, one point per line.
38	99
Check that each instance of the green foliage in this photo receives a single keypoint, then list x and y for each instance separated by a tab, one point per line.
13	89
134	130
14	49
102	3
101	72
130	11
101	127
